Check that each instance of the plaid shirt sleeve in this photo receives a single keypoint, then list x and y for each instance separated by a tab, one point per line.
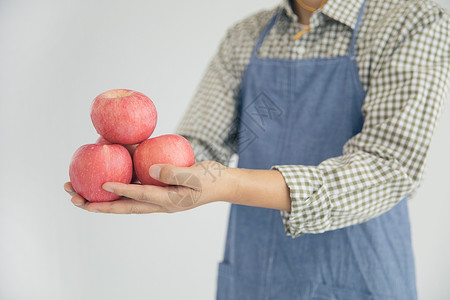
384	162
406	72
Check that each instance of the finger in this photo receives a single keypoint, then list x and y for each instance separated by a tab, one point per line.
147	193
173	175
79	201
69	189
124	206
76	200
162	172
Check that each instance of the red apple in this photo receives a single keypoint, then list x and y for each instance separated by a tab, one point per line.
131	148
165	149
92	165
123	116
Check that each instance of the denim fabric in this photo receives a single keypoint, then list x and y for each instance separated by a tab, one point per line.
303	112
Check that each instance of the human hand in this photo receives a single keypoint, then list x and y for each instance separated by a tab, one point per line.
189	187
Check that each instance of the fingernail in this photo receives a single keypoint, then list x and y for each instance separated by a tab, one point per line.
77	203
68	190
155	171
108	189
95	210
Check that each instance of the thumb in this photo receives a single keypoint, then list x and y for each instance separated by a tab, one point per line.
164	173
174	175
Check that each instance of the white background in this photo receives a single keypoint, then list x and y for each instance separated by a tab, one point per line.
55	57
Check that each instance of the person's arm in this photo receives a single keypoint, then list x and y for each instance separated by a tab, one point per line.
379	166
384	162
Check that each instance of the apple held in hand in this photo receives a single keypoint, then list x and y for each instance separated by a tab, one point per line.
165	149
92	165
123	116
131	148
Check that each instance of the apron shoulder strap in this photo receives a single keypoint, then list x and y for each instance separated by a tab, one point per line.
265	32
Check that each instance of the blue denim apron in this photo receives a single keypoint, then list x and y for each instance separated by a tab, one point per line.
303	112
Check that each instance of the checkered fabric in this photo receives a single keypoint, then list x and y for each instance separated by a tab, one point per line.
403	57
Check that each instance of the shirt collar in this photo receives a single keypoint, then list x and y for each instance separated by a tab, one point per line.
343	11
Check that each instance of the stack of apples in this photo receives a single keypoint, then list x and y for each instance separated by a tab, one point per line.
124	152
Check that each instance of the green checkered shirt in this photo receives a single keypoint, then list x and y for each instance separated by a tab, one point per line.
403	57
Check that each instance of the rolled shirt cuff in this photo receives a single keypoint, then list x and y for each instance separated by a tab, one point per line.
310	205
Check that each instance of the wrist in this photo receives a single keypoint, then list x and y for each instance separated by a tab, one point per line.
230	184
261	188
218	182
236	180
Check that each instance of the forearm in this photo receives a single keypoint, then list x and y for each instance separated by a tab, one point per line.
261	188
